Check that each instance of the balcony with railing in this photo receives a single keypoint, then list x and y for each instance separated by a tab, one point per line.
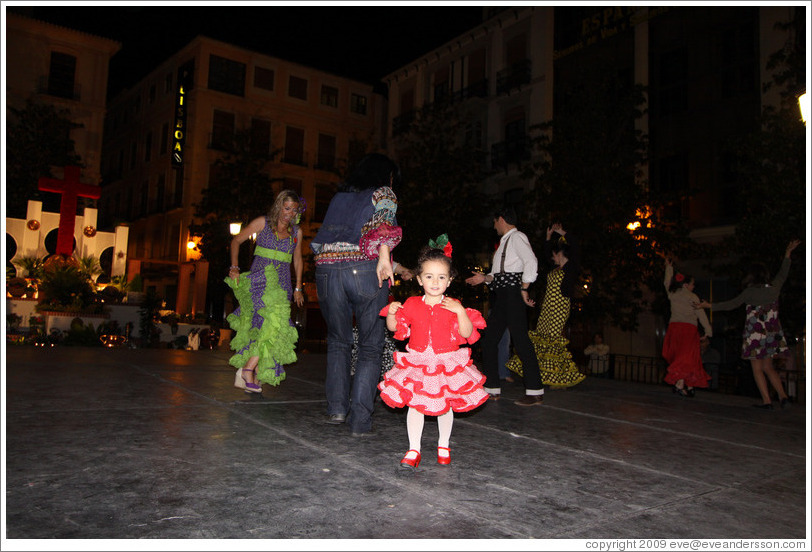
515	151
475	90
58	89
513	77
221	141
295	157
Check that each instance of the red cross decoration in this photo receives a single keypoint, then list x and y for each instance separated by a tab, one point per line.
71	189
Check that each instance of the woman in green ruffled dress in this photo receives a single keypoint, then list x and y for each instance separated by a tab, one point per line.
555	361
264	335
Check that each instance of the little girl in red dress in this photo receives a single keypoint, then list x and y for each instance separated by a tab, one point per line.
434	376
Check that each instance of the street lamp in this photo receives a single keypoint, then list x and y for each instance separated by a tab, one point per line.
235	228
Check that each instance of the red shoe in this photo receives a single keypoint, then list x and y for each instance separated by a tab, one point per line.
444	460
410	463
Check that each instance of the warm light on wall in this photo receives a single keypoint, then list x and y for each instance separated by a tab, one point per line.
803	105
193	252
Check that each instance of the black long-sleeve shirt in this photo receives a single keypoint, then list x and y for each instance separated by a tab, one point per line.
572	268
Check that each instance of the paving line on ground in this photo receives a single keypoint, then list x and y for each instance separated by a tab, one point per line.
403	483
696	413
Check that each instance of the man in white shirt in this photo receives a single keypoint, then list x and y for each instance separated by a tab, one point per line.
514	268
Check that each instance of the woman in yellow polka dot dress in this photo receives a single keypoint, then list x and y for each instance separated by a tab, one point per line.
555	361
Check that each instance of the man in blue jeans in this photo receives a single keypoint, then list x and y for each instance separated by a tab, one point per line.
352	255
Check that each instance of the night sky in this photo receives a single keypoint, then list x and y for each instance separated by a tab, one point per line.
361	42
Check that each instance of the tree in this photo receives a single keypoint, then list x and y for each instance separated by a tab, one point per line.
587	177
439	193
771	172
38	138
240	191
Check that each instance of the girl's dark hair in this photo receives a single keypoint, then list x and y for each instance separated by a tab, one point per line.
675	285
757	275
433	254
373	171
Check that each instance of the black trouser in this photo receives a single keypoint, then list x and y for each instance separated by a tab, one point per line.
509	311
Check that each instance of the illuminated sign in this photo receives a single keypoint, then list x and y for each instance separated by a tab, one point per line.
179	132
608	22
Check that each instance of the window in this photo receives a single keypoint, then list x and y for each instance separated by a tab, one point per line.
177	195
297	88
473	135
294	146
673	174
186	74
133	154
160	193
260	136
673	71
61	75
477	79
515	148
144	198
739	63
441	87
148	147
329	95
263	78
164	138
356	152
327	152
151	96
358	104
324	193
226	75
168	83
222	131
517	67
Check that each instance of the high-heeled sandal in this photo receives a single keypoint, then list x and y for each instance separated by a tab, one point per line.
251	387
444	460
410	463
680	390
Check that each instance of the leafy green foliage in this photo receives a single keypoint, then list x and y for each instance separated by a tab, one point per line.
38	137
66	288
240	191
588	179
771	171
439	193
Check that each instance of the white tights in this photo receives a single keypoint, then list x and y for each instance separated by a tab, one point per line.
414	426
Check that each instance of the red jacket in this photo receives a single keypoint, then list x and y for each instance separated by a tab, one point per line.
422	323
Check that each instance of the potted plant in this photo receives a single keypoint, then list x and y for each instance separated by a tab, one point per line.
32	272
135	292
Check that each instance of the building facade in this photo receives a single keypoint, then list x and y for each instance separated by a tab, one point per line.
703	68
67	69
166	132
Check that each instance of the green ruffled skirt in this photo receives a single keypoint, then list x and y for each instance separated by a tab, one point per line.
274	342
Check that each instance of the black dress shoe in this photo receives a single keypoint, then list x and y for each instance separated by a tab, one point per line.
691	392
768	406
